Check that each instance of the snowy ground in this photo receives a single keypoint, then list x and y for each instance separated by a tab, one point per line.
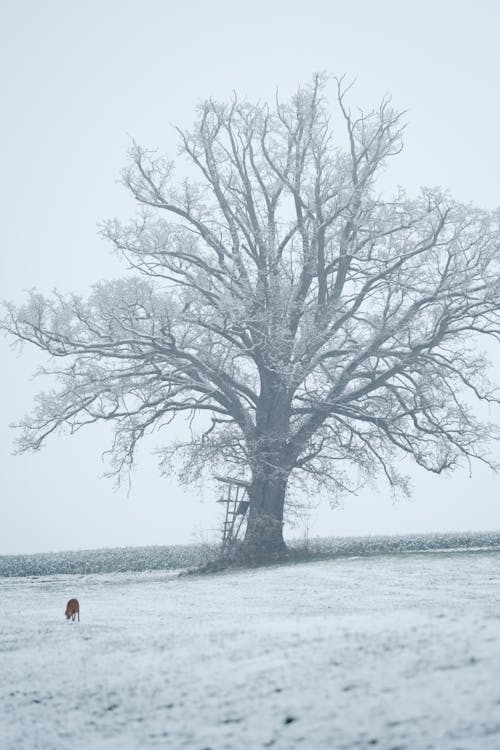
391	652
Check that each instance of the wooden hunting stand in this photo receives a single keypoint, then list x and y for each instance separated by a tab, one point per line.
236	501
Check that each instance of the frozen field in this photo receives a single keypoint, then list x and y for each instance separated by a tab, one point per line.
390	652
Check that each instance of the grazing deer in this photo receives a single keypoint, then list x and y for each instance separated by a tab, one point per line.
72	609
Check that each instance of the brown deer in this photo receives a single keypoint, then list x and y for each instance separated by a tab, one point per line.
72	609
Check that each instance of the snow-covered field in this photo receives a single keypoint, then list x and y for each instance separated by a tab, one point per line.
391	652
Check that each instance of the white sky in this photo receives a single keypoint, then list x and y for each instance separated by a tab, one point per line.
78	77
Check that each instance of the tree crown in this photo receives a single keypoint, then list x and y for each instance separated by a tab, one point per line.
307	322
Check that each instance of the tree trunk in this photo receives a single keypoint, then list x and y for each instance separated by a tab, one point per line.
264	533
270	472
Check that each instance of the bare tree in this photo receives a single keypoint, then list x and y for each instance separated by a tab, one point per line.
308	327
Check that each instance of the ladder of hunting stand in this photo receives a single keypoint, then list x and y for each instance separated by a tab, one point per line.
236	509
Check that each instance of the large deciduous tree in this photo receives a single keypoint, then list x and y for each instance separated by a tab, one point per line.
308	326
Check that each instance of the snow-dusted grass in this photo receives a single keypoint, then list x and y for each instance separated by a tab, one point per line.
140	559
389	652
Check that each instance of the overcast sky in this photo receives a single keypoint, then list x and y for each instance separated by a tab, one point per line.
78	78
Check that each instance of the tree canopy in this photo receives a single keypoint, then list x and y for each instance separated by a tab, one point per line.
309	325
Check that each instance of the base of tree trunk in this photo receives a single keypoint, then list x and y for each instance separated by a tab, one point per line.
263	540
263	544
239	558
